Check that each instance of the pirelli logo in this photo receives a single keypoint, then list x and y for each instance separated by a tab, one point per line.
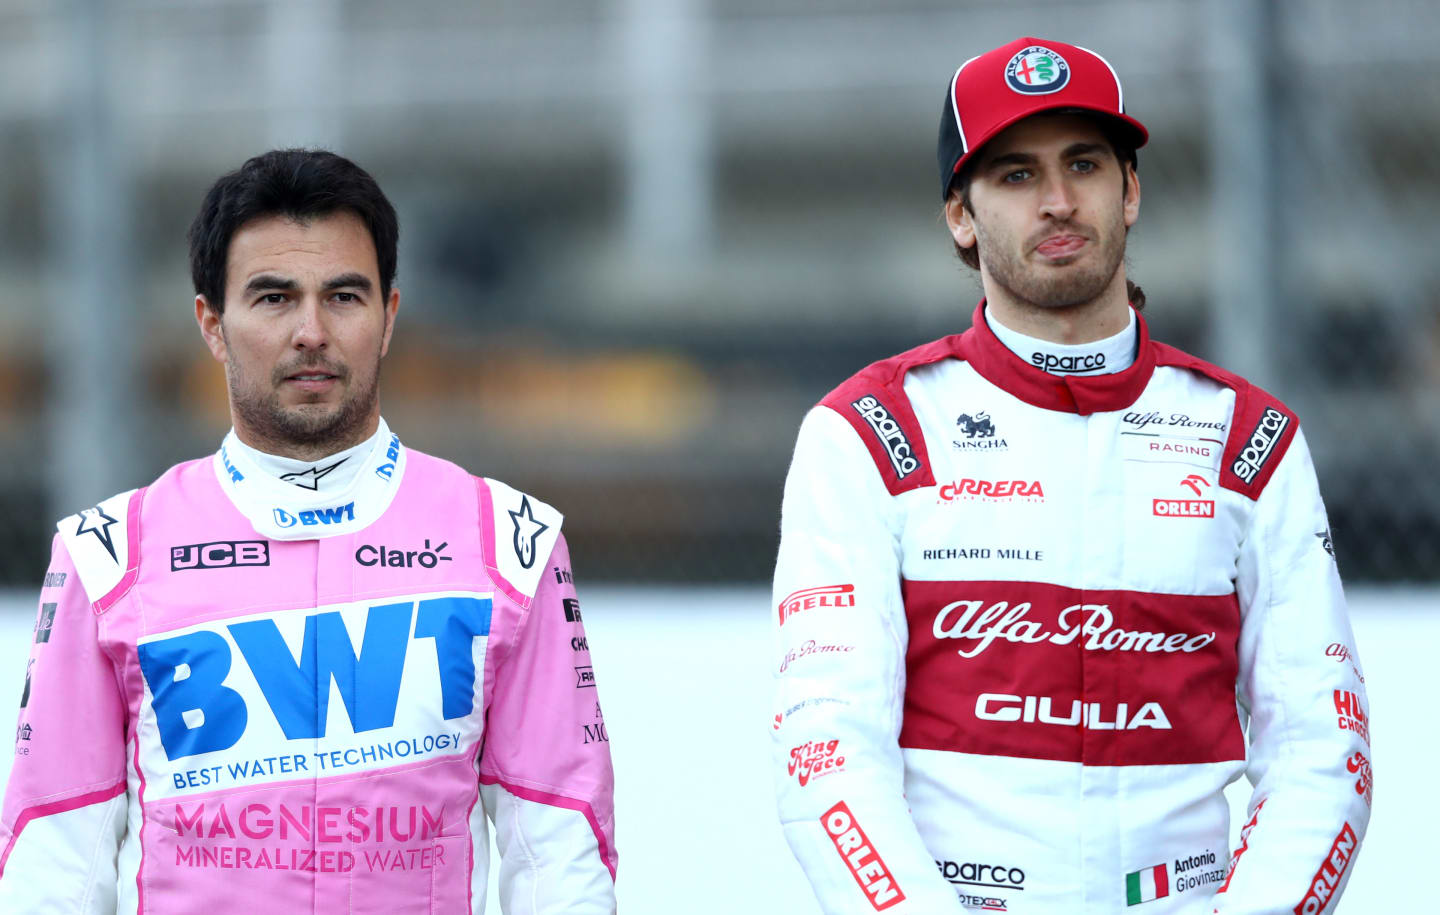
892	437
1258	450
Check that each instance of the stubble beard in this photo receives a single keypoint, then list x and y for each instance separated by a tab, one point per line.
1064	286
306	430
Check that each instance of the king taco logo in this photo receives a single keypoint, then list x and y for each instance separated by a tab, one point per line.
1365	784
245	699
814	759
1037	70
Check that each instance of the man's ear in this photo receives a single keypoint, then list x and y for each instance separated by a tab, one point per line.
959	220
1132	195
392	308
210	328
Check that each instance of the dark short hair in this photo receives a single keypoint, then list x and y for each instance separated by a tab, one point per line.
301	184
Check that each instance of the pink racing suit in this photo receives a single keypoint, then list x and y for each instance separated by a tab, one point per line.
243	696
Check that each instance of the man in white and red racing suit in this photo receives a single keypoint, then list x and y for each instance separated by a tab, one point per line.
1038	601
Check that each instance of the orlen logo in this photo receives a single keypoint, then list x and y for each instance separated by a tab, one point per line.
319	516
897	446
219	555
863	862
196	686
1257	451
815	758
1089	715
1187	508
1350	714
1327	878
992	491
811	598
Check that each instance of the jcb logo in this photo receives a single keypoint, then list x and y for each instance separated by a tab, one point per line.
198	697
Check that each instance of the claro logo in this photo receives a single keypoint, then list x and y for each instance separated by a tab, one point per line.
891	436
196	683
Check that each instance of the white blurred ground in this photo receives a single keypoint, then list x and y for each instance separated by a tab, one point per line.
685	679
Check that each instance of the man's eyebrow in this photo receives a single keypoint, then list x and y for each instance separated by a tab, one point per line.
270	282
350	280
1084	149
1009	159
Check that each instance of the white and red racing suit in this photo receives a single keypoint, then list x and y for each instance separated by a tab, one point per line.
253	695
1030	626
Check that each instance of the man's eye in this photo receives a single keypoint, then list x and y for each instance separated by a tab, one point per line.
273	298
1083	165
1017	176
346	297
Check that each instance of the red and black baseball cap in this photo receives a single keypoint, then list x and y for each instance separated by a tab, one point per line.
1027	76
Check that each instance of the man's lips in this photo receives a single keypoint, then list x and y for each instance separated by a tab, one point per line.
1061	245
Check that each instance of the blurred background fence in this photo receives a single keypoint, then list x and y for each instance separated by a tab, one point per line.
639	238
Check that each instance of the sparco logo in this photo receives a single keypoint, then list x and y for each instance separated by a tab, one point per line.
863	862
1089	715
811	598
970	873
1327	878
970	619
902	456
219	555
1089	362
390	558
815	758
1257	451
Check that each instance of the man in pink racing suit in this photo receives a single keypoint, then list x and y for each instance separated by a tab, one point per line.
299	674
1047	586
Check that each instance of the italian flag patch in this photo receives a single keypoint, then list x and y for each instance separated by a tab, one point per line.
1146	886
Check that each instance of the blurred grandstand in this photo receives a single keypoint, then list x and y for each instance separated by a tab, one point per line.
640	237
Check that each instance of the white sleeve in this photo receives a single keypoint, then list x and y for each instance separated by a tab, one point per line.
840	684
1303	687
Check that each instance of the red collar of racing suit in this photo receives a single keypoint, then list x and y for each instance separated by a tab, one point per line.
1070	394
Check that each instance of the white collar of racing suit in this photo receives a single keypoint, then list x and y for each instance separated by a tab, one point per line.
345	498
1101	357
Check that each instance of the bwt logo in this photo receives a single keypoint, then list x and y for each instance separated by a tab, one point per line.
319	516
392	454
196	712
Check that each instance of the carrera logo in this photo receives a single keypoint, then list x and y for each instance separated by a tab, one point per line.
1089	715
969	490
1327	878
1258	449
1350	714
1058	365
971	620
812	598
814	759
863	862
219	555
891	436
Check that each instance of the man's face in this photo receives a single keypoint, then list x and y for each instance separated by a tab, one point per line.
302	334
1050	204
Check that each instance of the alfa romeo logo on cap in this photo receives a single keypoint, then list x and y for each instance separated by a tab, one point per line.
1037	70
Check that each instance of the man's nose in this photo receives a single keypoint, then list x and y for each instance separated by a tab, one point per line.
310	331
1057	198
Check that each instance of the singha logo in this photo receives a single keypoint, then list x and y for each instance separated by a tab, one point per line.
977	426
